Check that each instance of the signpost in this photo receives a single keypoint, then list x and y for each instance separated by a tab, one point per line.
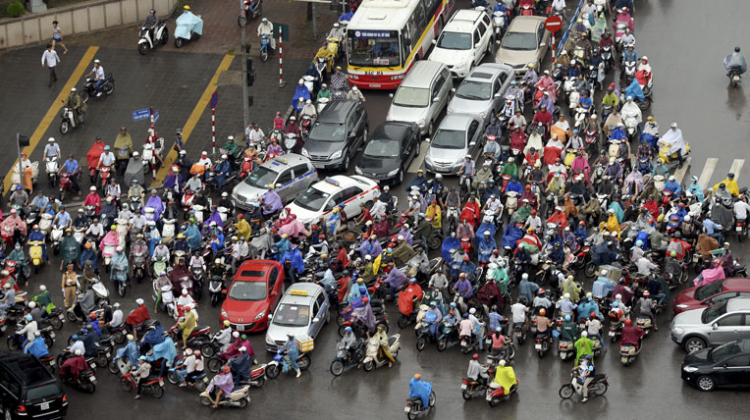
553	24
281	54
142	114
214	101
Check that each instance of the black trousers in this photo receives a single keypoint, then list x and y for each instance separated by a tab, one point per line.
52	75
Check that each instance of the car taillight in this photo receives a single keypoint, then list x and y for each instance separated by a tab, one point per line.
65	398
21	409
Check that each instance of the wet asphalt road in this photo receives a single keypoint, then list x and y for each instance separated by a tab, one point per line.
685	42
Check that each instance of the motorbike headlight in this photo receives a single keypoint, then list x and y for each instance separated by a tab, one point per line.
260	315
224	314
678	330
336	155
305	153
393	172
690	369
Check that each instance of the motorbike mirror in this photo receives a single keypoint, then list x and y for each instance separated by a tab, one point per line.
390	95
497	42
543	44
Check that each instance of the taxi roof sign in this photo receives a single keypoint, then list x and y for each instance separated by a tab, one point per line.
281	160
297	292
332	181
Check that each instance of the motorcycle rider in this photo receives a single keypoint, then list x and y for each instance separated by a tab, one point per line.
505	377
355	93
477	371
266	28
98	72
74	102
150	23
736	62
647	308
629	55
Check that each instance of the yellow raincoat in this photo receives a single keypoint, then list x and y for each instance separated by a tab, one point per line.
731	185
188	325
433	212
243	229
506	377
613	225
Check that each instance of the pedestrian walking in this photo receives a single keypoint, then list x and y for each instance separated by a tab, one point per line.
51	59
57	36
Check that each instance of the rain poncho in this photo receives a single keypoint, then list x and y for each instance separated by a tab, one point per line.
223	381
635	90
364	314
300	92
674	139
155	202
735	60
37	348
697	190
511	236
187	23
130	351
272	201
295	258
194	236
164	350
295	229
420	389
449	244
506	377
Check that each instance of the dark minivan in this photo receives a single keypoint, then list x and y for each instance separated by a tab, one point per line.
28	390
338	132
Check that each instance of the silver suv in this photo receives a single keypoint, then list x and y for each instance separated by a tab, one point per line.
700	328
290	174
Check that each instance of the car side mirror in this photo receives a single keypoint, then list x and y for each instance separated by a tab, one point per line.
434	42
426	139
543	44
316	319
390	95
453	90
279	185
270	316
473	143
498	95
477	45
436	99
715	326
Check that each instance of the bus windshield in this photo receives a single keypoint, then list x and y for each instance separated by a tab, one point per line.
373	49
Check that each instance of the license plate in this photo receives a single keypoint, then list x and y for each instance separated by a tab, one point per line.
51	335
407	409
489	398
93	379
52	362
108	355
695	258
61	316
463	386
611	333
44	406
319	166
377	85
93	365
240	328
463	344
205	379
538	346
738	229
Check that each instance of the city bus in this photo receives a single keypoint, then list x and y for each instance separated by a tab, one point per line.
386	37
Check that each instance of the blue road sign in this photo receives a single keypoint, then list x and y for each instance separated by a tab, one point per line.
214	99
141	114
156	116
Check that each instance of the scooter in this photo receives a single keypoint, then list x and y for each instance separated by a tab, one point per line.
496	393
542	344
414	407
151	151
56	237
199	382
290	141
119	275
471	388
216	290
189	28
161	36
89	88
644	323
566	350
274	368
247	13
598	386
239	397
347	359
68	119
265	47
371	361
628	353
36	254
498	24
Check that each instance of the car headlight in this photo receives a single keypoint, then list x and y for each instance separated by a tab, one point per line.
269	340
428	160
305	153
678	330
460	159
260	315
682	306
483	114
336	155
420	123
357	170
393	172
224	314
690	369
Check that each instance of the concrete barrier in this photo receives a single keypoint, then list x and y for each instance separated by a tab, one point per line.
32	29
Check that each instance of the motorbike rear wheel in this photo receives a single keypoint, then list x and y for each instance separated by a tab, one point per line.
173	378
89	387
165	36
121	288
601	388
108	88
590	270
264	55
304	362
157	391
56	322
645	104
207	350
368	366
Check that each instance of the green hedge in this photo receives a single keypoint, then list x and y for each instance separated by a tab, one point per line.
15	9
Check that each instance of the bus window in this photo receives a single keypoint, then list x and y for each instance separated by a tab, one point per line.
430	7
416	21
374	48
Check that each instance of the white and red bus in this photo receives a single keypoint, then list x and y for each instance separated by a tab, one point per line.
386	37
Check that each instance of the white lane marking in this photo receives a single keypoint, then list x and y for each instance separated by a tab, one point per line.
708	170
417	162
680	172
737	168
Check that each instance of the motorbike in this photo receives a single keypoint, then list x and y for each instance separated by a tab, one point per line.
290	140
197	338
152	385
644	323
217	290
67	115
372	361
36	255
89	88
239	397
630	67
321	104
123	156
471	388
628	353
199	382
161	36
447	336
150	152
189	28
248	14
542	344
274	368
119	275
104	174
414	407
597	387
347	359
498	24
496	393
86	381
138	260
265	47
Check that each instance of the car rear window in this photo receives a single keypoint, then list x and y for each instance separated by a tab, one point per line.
251	273
45	391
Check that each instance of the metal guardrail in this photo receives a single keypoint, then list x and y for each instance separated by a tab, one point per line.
564	38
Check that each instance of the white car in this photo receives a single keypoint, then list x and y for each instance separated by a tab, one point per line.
321	198
464	42
302	311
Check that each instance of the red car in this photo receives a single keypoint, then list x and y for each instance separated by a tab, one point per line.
254	292
709	294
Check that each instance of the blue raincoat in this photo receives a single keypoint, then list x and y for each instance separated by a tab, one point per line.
164	350
449	243
511	236
295	257
486	246
130	351
37	348
618	210
420	389
186	23
696	189
194	236
479	234
88	255
635	91
300	92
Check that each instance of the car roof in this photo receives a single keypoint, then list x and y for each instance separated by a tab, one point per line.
421	74
279	163
26	368
337	111
525	24
255	265
461	26
467	15
738	304
733	284
488	69
329	183
456	121
310	289
393	130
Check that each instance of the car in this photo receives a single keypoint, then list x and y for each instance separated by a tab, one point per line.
422	95
481	92
465	40
290	174
303	310
700	328
338	132
320	198
726	366
254	292
525	42
710	294
387	155
458	135
29	390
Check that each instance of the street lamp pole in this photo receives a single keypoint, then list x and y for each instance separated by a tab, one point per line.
243	44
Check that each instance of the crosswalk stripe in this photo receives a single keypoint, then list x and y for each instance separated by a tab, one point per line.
680	172
417	162
737	168
708	170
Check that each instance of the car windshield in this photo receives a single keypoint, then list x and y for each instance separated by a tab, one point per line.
412	97
713	312
382	148
724	351
312	199
373	49
328	132
519	41
289	315
262	177
248	290
708	290
449	139
454	41
473	90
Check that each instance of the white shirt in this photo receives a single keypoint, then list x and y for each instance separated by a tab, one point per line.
51	57
95	230
52	150
107	158
519	312
98	72
740	210
117	318
78	345
558	4
265	28
256	136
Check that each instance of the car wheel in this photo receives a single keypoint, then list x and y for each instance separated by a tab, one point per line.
346	163
706	383
401	176
417	149
694	344
431	129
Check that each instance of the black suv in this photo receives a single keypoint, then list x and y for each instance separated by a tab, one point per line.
28	390
339	131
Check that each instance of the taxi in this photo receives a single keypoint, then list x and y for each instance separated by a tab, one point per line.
303	310
290	174
321	198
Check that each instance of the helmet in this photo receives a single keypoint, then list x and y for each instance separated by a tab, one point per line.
540	292
592	315
226	369
567	317
417	376
628	322
542	312
736	49
584	334
475	356
646	294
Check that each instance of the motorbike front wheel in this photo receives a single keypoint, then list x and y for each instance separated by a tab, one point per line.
264	55
108	88
337	367
143	48
64	127
566	391
214	364
273	371
165	36
121	288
